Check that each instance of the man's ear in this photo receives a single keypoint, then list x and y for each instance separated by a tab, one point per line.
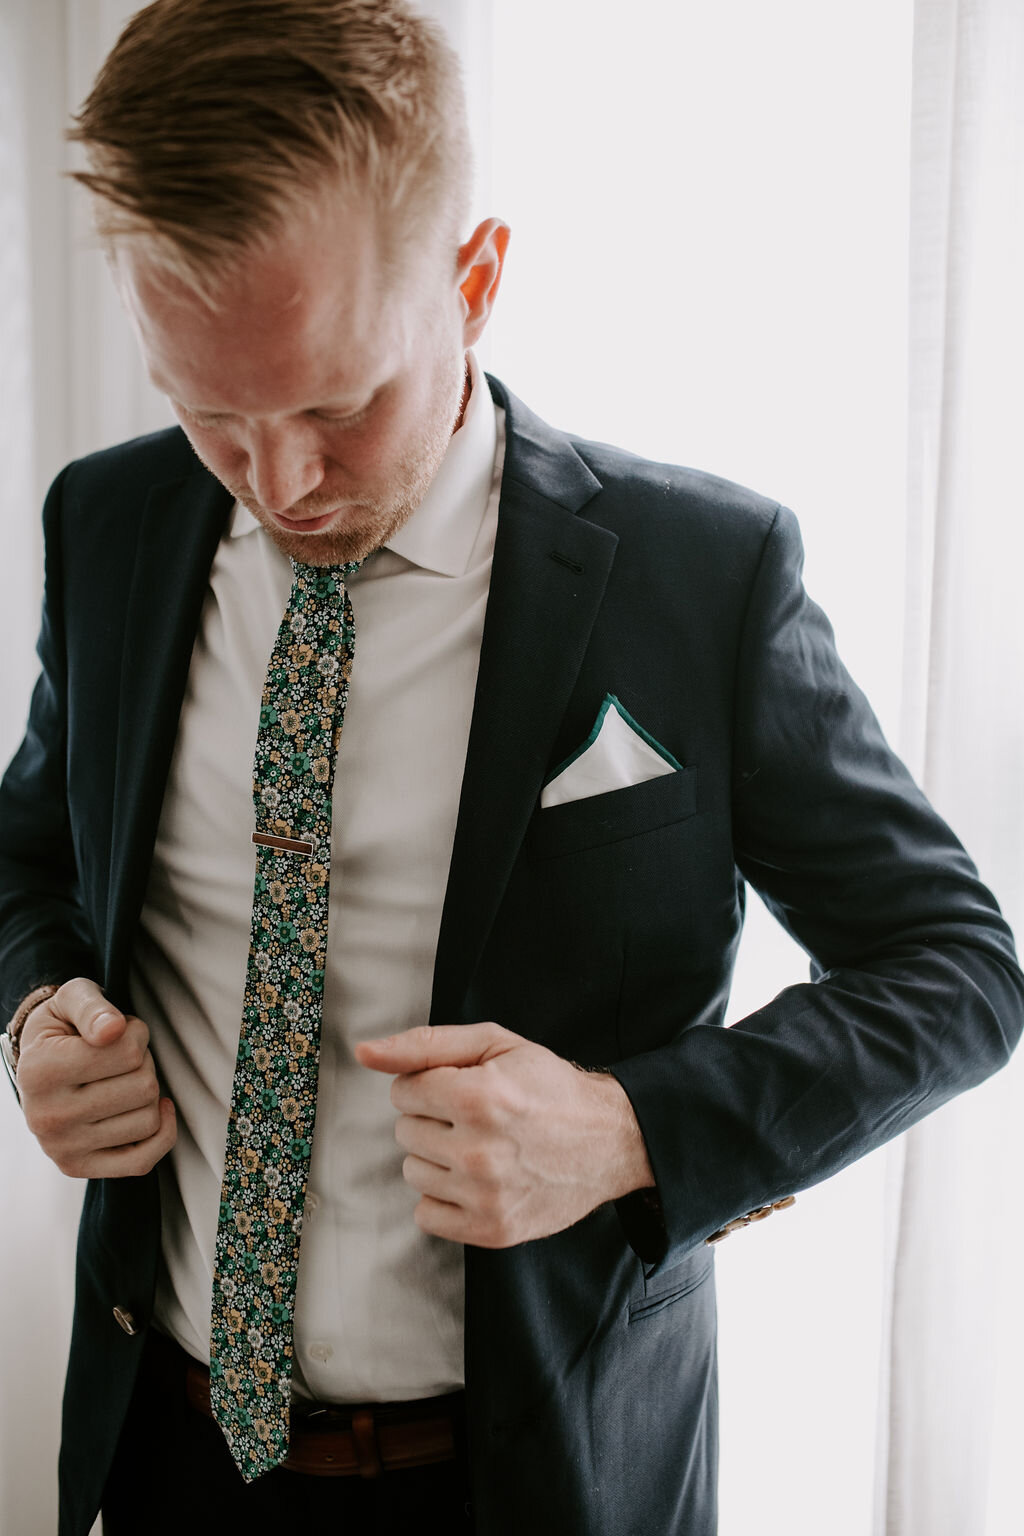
480	262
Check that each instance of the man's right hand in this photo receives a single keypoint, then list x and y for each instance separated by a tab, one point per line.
88	1086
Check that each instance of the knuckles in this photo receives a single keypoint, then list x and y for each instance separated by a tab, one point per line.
499	1093
481	1097
45	1123
35	1077
133	1053
149	1120
482	1164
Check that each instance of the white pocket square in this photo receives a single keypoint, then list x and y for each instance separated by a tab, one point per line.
617	753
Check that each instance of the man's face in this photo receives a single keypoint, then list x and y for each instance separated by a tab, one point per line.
322	393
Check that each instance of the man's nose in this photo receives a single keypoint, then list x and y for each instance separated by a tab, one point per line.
283	468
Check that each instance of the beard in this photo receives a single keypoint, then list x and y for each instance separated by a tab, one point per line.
365	525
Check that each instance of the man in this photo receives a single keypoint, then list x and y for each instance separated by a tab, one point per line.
534	710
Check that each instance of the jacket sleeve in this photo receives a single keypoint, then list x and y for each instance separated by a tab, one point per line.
44	935
915	992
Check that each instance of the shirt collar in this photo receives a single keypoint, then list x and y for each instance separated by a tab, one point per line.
441	533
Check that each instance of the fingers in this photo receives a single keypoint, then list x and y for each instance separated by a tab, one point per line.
442	1045
442	1219
439	1093
428	1179
89	1087
505	1140
457	1224
64	1117
119	1094
123	1130
484	1097
127	1053
430	1139
52	1060
81	1004
122	1162
469	1188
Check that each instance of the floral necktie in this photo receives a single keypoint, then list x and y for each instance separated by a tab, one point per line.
273	1097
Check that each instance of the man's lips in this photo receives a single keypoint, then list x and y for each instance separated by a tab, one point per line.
304	524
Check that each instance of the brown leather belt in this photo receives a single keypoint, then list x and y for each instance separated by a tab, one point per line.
362	1439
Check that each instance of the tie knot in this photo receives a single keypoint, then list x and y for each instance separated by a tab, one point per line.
322	581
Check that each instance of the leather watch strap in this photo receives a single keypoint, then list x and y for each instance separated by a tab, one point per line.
10	1040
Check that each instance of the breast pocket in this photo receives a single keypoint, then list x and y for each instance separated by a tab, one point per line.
608	818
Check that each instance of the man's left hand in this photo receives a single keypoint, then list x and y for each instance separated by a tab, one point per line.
505	1140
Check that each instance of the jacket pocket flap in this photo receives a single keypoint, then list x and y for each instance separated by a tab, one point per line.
618	814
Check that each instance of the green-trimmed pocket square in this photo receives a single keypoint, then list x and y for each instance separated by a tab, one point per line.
617	753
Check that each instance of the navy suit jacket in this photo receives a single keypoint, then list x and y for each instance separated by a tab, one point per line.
605	929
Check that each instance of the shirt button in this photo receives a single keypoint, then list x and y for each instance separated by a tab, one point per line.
312	1204
320	1352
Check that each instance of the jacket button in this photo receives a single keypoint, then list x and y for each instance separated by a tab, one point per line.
730	1226
125	1320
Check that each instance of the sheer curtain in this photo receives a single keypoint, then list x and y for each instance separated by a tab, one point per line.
70	382
38	1208
711	208
956	1396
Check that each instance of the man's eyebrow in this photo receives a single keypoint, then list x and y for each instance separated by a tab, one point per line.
347	407
337	400
337	404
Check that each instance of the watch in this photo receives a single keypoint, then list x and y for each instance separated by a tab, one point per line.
10	1040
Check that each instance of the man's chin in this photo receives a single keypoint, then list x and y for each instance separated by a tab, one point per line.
352	534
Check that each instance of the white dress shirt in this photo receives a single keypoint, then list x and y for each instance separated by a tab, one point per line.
379	1304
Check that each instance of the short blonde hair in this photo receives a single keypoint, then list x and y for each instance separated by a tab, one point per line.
213	120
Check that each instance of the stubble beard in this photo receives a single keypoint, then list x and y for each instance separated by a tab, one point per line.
368	524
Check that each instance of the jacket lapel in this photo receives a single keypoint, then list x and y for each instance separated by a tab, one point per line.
547	582
548	579
180	529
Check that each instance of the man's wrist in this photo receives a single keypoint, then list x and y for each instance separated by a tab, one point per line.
10	1039
629	1167
28	1004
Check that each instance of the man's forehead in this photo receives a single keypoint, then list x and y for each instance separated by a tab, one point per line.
294	322
329	240
286	285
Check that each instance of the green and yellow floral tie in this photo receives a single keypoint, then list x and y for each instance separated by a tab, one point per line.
273	1097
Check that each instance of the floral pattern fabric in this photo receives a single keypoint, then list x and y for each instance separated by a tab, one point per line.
273	1099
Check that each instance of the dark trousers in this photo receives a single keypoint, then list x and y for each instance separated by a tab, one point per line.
173	1476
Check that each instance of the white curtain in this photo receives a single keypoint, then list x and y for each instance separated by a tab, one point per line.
956	1396
38	1209
710	210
